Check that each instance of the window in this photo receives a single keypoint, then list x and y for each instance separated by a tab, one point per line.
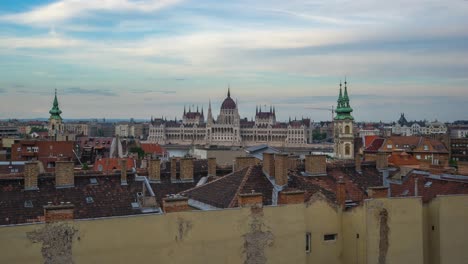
330	237
89	199
308	242
28	204
418	156
347	130
389	146
347	149
426	147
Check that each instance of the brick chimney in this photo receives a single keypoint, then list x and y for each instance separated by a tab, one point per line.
57	213
291	197
462	167
211	166
123	172
186	169
316	164
358	162
294	162
243	162
173	169
382	161
64	174
175	203
250	199
377	192
31	173
341	193
154	170
281	169
269	164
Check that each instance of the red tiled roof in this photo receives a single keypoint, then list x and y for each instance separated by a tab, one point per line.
375	145
153	148
427	187
402	159
109	164
368	140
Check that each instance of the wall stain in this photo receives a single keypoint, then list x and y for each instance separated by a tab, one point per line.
57	240
257	239
384	231
183	228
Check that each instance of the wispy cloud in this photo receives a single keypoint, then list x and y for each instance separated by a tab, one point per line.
2	90
83	91
147	91
68	9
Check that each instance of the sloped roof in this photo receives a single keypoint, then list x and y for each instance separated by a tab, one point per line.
223	192
153	148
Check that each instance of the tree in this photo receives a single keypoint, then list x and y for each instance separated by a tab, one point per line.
140	151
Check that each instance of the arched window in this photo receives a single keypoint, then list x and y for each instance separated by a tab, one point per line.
347	149
347	130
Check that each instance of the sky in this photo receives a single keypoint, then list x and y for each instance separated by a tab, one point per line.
143	58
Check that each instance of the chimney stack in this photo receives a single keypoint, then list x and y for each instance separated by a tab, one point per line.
462	167
211	166
123	172
250	199
377	192
341	193
186	169
294	162
64	174
358	162
281	169
154	170
269	164
57	213
173	169
176	203
316	165
243	162
31	173
382	161
291	197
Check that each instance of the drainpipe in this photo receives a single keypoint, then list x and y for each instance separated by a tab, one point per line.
416	187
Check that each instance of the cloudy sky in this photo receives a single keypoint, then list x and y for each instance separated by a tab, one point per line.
143	58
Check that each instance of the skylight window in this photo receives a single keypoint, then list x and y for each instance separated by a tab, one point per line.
89	199
28	204
93	181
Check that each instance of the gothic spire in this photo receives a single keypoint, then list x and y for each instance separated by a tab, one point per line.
184	111
55	111
229	90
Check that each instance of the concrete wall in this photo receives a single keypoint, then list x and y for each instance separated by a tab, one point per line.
384	230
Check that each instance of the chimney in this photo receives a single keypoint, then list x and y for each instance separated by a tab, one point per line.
269	164
243	162
31	173
316	165
462	167
154	170
173	169
377	192
250	199
211	166
186	169
341	193
57	213
382	161
291	197
358	162
281	169
123	171
293	162
64	174
176	203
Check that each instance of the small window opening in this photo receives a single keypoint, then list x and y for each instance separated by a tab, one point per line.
330	237
89	199
28	204
308	242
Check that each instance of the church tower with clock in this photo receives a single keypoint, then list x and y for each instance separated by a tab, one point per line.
343	127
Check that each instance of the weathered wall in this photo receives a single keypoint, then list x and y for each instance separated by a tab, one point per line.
394	230
385	230
450	235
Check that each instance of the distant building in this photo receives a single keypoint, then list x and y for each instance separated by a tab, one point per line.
48	152
229	129
459	149
56	126
405	128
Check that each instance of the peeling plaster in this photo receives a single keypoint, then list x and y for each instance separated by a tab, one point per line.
257	239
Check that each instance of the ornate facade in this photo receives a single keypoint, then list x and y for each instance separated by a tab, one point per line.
343	127
229	129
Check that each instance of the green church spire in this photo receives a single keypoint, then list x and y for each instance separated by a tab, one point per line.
55	111
343	110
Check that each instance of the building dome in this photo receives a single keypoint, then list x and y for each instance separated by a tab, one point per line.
228	103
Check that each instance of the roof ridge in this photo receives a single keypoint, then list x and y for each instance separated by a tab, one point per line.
216	180
241	185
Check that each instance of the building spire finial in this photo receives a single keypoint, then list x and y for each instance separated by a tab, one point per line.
229	90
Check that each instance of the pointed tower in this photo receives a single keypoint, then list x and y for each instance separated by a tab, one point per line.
55	120
209	119
343	124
